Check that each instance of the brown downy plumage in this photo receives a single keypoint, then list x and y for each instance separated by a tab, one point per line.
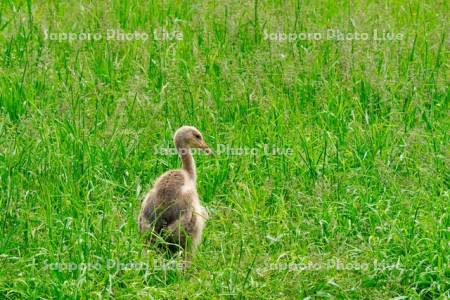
172	208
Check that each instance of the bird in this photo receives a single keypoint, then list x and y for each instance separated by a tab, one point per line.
172	208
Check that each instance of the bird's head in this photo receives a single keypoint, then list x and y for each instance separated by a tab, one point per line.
188	137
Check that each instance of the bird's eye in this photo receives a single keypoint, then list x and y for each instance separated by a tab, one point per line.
197	136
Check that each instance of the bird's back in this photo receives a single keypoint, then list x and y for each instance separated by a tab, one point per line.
165	203
169	185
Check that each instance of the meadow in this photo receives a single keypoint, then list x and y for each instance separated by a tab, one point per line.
329	120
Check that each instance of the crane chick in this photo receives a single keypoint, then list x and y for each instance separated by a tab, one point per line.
172	208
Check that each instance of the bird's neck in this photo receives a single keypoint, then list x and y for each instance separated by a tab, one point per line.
188	161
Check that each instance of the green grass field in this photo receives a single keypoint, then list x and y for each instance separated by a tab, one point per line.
359	209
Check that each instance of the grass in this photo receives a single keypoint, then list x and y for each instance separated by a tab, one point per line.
365	189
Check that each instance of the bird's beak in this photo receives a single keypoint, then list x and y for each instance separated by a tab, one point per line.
206	148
